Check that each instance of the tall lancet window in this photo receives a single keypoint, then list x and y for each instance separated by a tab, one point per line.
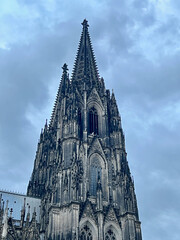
93	121
95	171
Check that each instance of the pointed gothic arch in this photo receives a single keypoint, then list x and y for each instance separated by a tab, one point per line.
110	235
86	233
112	231
88	229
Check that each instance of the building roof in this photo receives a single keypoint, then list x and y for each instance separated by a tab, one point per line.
17	201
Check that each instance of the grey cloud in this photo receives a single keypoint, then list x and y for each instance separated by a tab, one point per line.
143	88
26	72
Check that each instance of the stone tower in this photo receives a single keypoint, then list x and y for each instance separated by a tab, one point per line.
81	173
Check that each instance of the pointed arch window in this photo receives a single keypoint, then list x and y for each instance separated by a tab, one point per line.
110	235
86	233
95	171
93	121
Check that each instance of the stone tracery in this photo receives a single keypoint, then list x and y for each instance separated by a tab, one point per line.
110	235
86	233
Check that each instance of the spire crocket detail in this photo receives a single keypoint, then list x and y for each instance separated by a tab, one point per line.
85	68
81	174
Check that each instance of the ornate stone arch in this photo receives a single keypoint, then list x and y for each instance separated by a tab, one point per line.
100	159
97	106
112	231
96	147
95	100
88	228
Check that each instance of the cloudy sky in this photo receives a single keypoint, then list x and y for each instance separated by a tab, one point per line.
137	48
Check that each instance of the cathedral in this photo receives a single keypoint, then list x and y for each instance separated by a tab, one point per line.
81	186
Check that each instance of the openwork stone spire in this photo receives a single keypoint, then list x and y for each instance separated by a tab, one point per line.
62	90
85	68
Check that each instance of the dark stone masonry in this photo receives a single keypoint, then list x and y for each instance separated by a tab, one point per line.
81	186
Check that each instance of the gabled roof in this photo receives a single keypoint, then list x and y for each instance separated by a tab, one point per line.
88	211
96	147
111	215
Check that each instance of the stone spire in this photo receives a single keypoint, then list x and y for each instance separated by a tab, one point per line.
62	91
85	68
114	107
64	80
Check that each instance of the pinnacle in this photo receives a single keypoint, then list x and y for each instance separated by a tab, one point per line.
113	97
85	68
85	23
63	86
64	67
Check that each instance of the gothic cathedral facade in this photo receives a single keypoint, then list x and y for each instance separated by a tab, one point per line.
81	173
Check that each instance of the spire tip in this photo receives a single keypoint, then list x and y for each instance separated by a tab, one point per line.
85	23
65	68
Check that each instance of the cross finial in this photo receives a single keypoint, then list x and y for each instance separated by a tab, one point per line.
85	23
65	69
